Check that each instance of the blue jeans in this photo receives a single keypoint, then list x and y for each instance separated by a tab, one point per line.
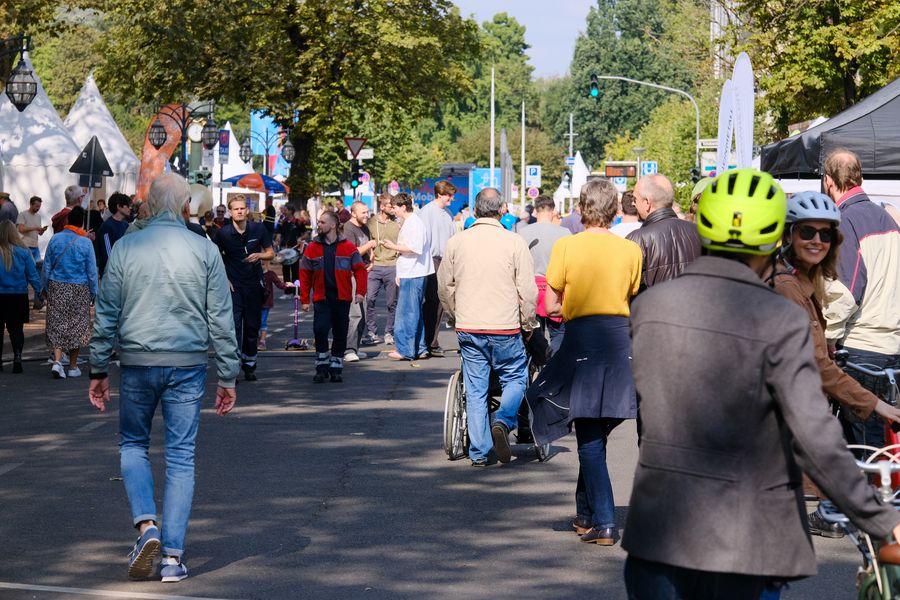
869	432
593	492
505	355
647	580
409	323
181	391
264	320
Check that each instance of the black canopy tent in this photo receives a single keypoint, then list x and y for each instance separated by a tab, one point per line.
870	128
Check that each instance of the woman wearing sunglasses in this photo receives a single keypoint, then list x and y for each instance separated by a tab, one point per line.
809	255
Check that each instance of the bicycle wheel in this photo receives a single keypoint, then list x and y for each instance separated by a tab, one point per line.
456	442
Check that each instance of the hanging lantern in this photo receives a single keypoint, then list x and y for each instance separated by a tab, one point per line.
157	134
209	136
21	86
287	151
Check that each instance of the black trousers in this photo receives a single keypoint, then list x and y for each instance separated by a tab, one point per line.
16	337
247	306
331	316
290	273
432	311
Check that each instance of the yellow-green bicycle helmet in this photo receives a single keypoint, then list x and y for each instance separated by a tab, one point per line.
741	211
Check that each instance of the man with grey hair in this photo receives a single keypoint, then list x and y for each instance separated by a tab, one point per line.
73	195
667	243
163	340
486	284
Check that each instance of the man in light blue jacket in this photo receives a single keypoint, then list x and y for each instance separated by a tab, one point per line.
164	296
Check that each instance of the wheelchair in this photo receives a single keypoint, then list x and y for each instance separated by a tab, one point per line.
456	434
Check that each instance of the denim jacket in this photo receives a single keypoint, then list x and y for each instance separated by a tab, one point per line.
165	298
70	259
23	272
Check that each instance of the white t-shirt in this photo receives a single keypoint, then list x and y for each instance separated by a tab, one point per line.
413	236
623	229
30	219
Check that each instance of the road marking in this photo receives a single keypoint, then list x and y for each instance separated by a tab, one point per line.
103	593
90	426
51	446
9	467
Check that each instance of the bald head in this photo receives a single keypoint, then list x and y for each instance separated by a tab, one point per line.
651	193
844	171
168	193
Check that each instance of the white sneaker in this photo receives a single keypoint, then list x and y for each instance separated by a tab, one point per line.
351	356
388	338
76	372
57	371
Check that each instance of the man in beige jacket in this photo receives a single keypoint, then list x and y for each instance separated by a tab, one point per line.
486	285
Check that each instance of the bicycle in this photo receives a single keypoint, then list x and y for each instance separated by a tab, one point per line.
879	576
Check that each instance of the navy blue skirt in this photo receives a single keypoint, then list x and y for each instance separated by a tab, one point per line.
589	378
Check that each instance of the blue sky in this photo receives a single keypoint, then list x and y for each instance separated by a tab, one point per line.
551	27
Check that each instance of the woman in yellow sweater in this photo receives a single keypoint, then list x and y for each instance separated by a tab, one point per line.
591	279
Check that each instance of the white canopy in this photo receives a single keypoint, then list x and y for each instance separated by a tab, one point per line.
89	117
36	152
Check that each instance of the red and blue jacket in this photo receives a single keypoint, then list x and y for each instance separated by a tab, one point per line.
348	264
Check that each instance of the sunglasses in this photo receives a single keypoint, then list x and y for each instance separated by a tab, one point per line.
807	232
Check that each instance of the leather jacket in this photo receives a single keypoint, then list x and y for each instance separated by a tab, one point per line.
668	245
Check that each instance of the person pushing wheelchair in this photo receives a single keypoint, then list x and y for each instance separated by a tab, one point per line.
486	286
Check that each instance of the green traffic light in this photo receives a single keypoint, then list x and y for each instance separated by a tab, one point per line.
594	92
354	183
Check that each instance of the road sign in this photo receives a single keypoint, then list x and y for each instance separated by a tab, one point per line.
364	154
533	192
649	167
620	183
224	140
621	168
92	163
533	176
570	161
355	144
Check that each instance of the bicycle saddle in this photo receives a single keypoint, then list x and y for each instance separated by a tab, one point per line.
889	554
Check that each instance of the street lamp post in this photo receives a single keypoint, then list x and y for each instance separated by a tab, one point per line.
267	139
668	89
183	115
21	86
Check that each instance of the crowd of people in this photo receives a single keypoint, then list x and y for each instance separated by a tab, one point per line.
715	330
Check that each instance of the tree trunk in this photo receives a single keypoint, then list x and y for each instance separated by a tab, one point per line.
302	178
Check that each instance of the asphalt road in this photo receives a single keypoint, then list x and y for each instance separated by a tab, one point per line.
311	491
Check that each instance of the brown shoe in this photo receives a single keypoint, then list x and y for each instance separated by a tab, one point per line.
581	526
606	536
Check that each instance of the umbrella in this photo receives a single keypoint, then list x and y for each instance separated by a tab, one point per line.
260	183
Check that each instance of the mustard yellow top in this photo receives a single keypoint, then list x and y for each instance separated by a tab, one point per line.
598	274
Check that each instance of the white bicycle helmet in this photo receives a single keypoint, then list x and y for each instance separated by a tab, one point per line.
812	206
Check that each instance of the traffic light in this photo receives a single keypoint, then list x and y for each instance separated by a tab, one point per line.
695	174
355	174
595	86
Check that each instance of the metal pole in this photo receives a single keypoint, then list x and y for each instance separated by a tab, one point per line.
673	90
571	137
492	128
522	189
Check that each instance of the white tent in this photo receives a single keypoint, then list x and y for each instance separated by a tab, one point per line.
36	152
89	117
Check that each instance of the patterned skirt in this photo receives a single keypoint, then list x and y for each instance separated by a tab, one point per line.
68	315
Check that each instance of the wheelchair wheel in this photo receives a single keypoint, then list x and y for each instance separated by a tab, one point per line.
456	439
